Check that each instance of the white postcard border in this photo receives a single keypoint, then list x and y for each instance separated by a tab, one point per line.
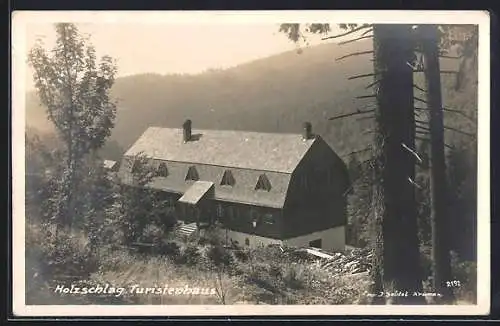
21	18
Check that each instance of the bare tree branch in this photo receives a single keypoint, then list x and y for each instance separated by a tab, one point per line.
414	183
450	57
413	152
419	88
358	151
442	71
448	146
354	30
417	113
350	114
367	31
422	122
421	132
372	84
450	110
366	96
356	39
361	76
444	56
419	100
460	131
427	140
353	54
423	128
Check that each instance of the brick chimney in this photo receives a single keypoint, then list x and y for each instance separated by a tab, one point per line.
186	130
307	131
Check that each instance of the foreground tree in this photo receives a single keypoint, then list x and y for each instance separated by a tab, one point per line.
396	233
74	88
428	35
396	265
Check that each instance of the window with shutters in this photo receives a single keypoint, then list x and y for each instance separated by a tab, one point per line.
227	179
192	174
162	170
263	183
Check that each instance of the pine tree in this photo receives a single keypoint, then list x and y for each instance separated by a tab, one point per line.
396	238
396	265
438	182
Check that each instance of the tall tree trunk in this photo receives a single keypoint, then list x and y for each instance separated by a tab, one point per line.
397	256
438	183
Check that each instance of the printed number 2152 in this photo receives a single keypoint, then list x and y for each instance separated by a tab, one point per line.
452	284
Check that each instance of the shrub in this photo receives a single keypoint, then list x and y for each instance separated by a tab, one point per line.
151	234
203	241
466	273
170	249
299	256
116	259
191	255
275	270
426	262
220	256
241	255
291	277
62	256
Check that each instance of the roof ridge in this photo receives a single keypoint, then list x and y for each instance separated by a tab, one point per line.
230	130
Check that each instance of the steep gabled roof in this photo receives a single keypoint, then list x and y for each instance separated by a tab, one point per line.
238	149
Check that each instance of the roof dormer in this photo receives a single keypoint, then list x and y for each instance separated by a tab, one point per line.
192	174
162	170
227	179
263	183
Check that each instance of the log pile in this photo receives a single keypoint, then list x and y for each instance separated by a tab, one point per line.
350	262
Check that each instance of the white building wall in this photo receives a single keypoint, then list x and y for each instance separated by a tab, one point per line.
254	240
331	239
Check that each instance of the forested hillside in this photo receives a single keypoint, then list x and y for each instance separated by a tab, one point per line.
274	94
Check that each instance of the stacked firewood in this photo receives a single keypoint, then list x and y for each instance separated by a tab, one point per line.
351	262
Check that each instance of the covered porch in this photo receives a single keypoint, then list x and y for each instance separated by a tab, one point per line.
195	204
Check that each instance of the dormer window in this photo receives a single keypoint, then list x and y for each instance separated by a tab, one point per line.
162	170
263	183
192	174
227	179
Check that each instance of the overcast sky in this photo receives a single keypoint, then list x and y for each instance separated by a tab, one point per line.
175	48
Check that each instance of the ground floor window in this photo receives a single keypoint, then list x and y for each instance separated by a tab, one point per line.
219	210
315	243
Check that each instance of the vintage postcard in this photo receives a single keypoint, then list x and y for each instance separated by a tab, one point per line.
250	163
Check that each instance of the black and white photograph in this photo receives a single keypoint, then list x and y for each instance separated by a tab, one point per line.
250	163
